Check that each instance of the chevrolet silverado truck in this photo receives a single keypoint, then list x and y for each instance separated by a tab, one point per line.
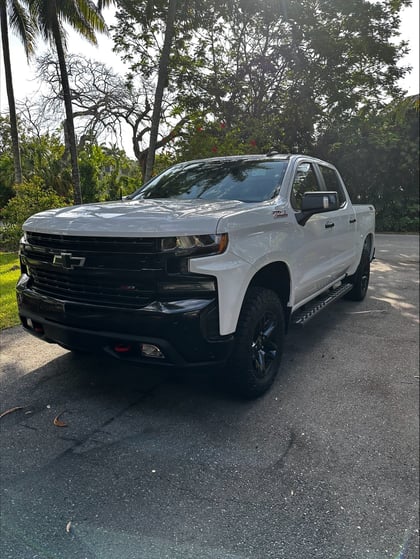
208	263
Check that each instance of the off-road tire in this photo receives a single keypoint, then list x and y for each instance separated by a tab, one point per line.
360	279
256	357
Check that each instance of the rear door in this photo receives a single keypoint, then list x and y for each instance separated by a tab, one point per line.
343	221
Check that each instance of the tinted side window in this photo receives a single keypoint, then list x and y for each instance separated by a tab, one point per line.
332	182
305	181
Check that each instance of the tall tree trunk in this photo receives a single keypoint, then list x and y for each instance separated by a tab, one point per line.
162	78
10	94
69	112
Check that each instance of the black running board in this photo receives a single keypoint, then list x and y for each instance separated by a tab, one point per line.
311	309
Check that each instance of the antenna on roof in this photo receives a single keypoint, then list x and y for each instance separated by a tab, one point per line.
272	152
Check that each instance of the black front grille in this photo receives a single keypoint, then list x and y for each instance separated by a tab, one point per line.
120	272
95	244
114	272
107	291
115	260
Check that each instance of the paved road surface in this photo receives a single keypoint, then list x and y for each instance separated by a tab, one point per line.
154	465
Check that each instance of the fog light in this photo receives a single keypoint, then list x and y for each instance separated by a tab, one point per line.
150	350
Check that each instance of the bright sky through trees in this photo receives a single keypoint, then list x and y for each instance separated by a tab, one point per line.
25	85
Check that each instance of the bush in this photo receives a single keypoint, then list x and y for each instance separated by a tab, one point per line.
398	217
29	199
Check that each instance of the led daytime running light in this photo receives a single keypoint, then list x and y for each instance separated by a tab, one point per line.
201	244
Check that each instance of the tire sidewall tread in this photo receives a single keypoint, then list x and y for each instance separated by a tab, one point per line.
358	293
240	372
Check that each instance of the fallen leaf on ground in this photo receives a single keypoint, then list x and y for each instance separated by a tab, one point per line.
57	421
68	527
11	411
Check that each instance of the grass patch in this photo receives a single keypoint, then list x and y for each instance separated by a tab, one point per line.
9	274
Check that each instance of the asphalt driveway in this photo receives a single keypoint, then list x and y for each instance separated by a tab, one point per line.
154	464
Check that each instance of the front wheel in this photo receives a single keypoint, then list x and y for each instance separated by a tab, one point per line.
256	357
360	280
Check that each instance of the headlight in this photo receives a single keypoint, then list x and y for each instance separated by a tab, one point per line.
195	244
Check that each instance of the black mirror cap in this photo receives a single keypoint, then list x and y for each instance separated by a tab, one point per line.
318	202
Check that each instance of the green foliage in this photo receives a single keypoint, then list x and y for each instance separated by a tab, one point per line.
377	154
6	161
14	14
30	198
399	216
296	75
91	161
44	161
6	178
19	20
106	173
211	139
163	161
276	72
85	18
9	274
82	15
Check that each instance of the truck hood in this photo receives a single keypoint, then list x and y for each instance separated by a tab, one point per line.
132	218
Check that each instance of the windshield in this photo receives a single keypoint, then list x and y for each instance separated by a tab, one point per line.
244	180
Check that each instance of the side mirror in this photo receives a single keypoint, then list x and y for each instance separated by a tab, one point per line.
315	203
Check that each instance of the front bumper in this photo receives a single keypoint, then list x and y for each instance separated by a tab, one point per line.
185	331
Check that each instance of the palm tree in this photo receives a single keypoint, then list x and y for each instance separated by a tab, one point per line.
85	18
13	13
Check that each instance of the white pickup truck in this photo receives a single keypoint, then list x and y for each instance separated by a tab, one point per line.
208	263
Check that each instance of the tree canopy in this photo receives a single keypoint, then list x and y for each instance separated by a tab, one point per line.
287	69
84	17
310	76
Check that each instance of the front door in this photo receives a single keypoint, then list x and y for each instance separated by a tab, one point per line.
313	252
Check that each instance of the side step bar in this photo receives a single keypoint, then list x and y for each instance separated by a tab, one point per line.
308	311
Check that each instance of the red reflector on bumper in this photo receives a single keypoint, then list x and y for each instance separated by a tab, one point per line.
122	348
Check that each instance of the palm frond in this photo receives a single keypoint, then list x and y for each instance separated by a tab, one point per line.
105	4
92	15
44	13
23	25
83	16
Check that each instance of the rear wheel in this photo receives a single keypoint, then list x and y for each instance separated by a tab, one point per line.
360	280
256	357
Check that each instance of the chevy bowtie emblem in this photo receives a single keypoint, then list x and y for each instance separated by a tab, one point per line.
67	261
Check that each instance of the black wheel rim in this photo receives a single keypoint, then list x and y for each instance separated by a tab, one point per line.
264	347
364	280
